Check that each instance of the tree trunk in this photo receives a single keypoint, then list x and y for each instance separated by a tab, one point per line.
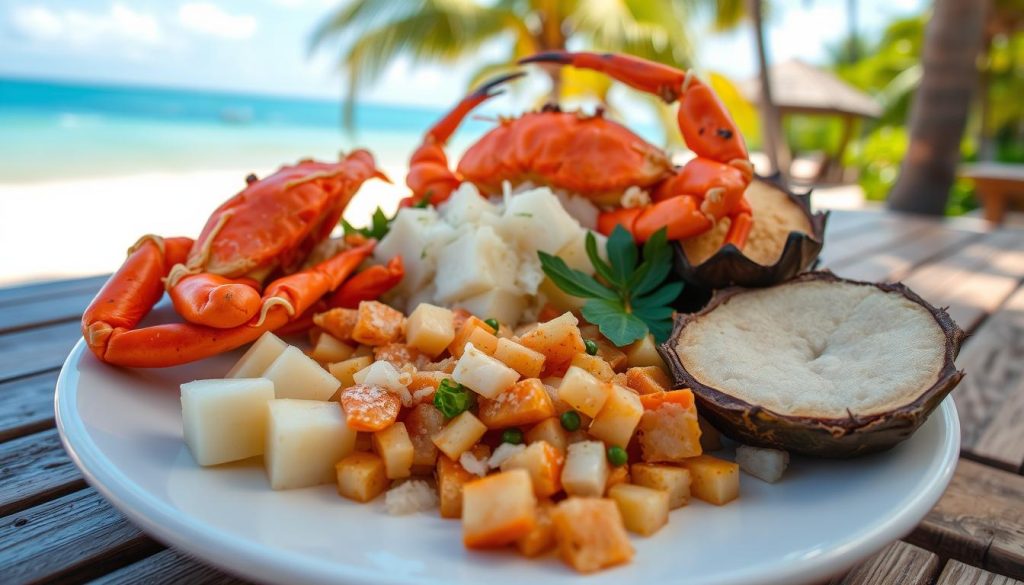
771	124
938	113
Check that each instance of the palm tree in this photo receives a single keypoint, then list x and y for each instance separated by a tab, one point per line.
372	33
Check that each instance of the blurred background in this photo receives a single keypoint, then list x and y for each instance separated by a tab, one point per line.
119	118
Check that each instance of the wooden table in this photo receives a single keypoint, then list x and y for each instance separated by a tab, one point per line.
55	528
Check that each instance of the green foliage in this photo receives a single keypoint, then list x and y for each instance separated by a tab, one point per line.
878	156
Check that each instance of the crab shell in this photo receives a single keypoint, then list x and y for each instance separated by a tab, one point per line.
730	267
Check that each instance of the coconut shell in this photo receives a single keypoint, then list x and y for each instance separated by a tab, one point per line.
730	267
822	437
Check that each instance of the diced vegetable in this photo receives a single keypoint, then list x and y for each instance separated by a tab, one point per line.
512	436
451	477
345	371
498	509
459	435
305	439
764	464
329	349
396	449
619	417
551	431
482	373
383	374
713	480
617	456
520	358
525	403
582	391
644	353
558	339
474	331
361	477
570	420
586	469
369	408
616	476
430	329
422	423
296	375
452	398
590	534
258	357
544	464
541	538
225	420
648	379
377	323
593	364
668	430
644	510
338	322
399	355
674	480
505	302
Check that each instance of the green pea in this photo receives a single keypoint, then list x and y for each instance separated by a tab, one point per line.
570	420
493	323
591	346
513	436
452	398
617	456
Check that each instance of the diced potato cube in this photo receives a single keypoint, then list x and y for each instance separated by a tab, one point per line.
430	329
593	364
544	464
764	464
451	477
541	538
644	510
668	430
586	469
383	374
225	420
713	480
674	480
590	534
396	449
520	358
558	339
465	334
459	435
648	379
618	418
258	357
582	391
422	423
498	509
361	477
549	430
482	373
338	322
296	375
506	304
305	439
644	353
345	371
616	475
377	323
525	403
329	349
369	408
615	357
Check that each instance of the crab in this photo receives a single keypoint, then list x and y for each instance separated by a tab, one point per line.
268	232
602	160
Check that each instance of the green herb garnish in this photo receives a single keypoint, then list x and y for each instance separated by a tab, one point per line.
617	456
378	228
452	398
512	436
630	300
570	420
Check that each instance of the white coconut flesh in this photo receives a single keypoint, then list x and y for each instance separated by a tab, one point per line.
817	349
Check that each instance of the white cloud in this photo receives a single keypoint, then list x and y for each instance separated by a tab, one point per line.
208	19
119	24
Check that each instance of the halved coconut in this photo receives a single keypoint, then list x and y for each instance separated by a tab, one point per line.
817	365
784	241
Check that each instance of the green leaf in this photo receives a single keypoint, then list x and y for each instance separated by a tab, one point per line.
620	327
622	254
648	314
661	329
600	266
573	282
656	265
660	297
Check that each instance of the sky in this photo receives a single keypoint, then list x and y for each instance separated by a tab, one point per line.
262	46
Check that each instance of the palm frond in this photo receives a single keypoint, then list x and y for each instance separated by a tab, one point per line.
652	29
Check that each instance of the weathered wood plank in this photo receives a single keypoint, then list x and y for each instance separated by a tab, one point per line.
50	289
894	263
976	279
169	567
46	311
69	540
979	520
957	573
898	564
843	223
35	469
26	405
888	231
36	350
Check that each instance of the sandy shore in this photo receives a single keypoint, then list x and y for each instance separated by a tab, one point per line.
63	229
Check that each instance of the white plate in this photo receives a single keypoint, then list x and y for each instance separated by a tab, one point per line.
123	429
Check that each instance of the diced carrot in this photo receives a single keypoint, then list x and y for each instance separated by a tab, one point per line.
451	476
648	379
473	330
377	323
369	408
338	322
525	403
400	354
683	398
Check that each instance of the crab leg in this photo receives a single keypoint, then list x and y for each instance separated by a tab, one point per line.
368	284
214	300
429	174
179	343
